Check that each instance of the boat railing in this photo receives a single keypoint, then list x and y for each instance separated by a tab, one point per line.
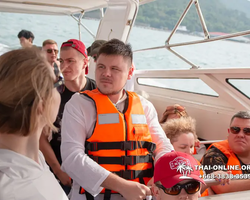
205	31
80	24
209	141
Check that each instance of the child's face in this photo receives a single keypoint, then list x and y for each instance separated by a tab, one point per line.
161	195
184	143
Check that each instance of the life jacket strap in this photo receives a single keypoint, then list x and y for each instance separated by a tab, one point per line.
125	145
88	195
133	174
123	160
107	194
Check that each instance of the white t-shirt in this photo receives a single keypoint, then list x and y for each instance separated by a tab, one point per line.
21	178
77	125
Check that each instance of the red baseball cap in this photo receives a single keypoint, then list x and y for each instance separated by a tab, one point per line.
76	44
175	167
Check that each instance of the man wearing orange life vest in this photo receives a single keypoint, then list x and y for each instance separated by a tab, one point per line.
235	151
111	130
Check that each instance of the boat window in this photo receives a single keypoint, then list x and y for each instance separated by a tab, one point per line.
241	85
193	85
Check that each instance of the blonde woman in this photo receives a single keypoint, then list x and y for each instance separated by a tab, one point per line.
177	111
182	134
29	100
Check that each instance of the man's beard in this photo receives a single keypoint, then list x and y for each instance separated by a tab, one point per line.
110	93
113	92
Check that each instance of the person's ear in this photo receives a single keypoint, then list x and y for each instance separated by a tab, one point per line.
30	40
155	191
130	72
86	66
40	107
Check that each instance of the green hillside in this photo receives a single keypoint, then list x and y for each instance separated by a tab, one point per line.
240	5
219	15
165	13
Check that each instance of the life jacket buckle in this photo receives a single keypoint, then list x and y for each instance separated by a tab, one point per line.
151	147
127	160
127	174
92	146
126	145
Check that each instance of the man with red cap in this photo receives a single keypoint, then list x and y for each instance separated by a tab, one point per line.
176	177
74	67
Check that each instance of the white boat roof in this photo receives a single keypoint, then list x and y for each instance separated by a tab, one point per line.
53	7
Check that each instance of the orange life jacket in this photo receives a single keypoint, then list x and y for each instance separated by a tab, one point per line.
223	146
205	193
121	143
195	151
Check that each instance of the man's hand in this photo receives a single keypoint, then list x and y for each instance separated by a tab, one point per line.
63	177
222	181
135	191
197	143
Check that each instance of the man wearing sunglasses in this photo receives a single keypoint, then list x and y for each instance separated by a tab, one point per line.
74	67
51	51
233	152
175	177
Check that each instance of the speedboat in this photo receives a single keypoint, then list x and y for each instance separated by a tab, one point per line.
210	95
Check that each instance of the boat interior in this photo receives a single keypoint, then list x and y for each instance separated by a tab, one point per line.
211	96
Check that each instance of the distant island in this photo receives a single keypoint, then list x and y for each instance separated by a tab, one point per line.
226	16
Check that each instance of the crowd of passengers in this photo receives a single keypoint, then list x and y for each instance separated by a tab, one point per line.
66	136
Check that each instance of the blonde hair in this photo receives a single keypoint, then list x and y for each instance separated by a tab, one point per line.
49	41
175	127
25	81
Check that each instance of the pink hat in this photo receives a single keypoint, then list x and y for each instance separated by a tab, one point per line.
76	44
175	167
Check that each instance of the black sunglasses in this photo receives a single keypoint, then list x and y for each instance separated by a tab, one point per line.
236	130
51	50
190	188
59	85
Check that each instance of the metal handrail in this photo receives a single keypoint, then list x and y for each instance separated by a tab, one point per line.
232	35
203	23
179	21
210	141
80	23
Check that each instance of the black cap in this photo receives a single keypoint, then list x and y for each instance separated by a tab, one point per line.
94	48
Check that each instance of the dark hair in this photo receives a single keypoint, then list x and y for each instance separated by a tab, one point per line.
241	115
116	47
26	34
